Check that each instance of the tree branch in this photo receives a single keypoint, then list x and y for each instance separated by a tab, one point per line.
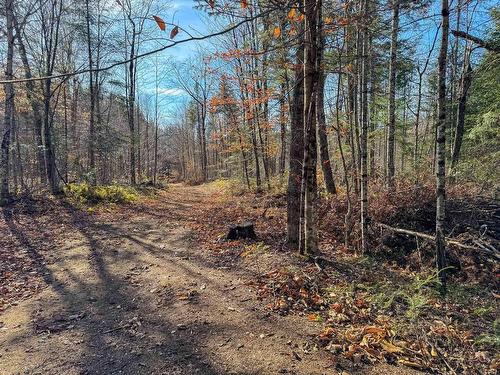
152	52
480	42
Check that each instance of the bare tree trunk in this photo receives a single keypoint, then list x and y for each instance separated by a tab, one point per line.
258	181
351	99
402	145
263	88
51	23
15	157
138	136
92	97
50	156
392	95
283	111
364	132
421	73
454	83
9	106
244	161
74	118
372	105
350	37
462	103
320	111
98	113
441	147
34	103
262	145
155	162
204	140
131	100
66	144
417	122
147	143
347	217
109	157
257	97
19	164
309	244
296	148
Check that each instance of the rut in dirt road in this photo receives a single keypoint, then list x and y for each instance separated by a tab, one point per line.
129	293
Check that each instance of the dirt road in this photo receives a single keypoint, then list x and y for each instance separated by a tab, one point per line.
129	292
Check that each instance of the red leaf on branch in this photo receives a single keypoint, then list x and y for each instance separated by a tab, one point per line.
160	23
174	32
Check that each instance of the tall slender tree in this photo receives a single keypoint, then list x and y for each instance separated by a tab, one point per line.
309	241
326	166
92	97
441	145
392	95
9	105
51	18
364	126
296	147
465	84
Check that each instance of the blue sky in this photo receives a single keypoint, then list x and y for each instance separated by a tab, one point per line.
196	22
182	13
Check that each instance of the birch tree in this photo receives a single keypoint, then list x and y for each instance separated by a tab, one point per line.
441	145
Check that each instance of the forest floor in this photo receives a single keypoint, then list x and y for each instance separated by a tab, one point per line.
151	288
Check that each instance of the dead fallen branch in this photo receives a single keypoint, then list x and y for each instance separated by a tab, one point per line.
479	246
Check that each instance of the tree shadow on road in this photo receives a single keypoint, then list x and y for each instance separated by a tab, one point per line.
111	325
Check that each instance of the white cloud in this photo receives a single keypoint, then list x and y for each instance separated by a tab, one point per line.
176	5
171	92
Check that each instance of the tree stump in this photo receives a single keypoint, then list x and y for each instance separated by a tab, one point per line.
243	231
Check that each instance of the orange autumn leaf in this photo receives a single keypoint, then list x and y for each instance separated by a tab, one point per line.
174	32
327	333
360	303
317	299
343	22
373	330
244	4
300	18
292	13
314	317
160	23
328	20
337	307
277	32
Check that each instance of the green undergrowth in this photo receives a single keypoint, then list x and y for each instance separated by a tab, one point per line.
238	187
85	194
228	186
418	299
410	298
490	338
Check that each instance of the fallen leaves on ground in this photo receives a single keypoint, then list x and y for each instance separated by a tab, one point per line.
447	336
